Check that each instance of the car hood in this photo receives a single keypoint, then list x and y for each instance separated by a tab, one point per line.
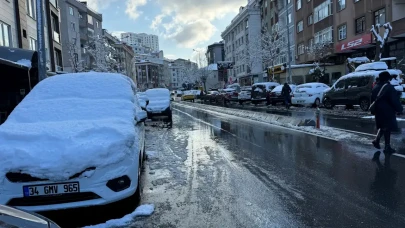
13	217
58	150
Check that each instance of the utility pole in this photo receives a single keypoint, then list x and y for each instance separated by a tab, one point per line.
41	40
288	42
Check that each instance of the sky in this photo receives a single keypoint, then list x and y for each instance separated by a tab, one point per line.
182	25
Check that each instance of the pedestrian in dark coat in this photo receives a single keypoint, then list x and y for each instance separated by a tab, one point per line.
387	108
286	93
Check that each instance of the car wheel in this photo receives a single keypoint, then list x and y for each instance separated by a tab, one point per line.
144	152
138	192
364	104
328	103
317	102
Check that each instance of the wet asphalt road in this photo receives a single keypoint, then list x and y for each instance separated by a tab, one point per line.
212	172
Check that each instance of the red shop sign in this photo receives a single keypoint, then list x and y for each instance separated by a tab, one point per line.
357	42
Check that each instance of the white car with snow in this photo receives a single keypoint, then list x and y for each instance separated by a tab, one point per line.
159	104
143	99
309	94
245	94
76	140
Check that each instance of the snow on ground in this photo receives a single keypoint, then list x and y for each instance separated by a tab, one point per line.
283	121
69	123
372	117
151	154
143	210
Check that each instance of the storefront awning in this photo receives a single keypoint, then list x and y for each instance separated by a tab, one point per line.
19	56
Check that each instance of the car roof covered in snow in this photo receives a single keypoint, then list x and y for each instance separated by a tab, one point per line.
372	66
158	92
267	83
312	84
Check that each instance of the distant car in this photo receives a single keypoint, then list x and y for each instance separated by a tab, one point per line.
231	92
211	96
82	145
188	95
261	91
276	96
245	94
143	100
309	94
159	104
13	217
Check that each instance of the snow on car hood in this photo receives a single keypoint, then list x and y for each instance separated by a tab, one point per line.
55	133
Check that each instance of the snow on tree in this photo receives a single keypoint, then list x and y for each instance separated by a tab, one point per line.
102	55
73	50
320	52
380	41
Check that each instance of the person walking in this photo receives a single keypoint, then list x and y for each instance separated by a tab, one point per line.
286	93
387	106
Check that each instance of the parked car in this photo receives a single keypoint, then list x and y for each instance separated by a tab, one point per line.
143	100
82	145
211	96
159	104
13	217
309	94
188	95
261	91
277	97
231	92
355	88
245	94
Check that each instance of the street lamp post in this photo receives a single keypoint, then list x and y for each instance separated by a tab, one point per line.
41	40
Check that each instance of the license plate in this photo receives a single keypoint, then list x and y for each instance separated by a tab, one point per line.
300	101
51	189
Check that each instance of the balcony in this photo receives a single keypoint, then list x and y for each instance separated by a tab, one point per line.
56	37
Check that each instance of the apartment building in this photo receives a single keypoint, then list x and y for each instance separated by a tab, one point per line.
79	24
215	52
245	26
18	28
141	41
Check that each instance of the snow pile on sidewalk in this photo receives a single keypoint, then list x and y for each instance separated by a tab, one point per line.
143	210
283	121
69	123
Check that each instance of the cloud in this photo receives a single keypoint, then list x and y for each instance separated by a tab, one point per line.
132	8
189	23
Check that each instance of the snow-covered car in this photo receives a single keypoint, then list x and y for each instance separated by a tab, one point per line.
211	96
355	88
159	104
309	94
78	140
277	97
13	217
245	94
143	99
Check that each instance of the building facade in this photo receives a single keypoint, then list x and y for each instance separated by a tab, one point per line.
245	26
80	24
18	27
141	41
150	75
215	52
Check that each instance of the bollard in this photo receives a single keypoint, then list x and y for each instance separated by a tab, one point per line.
317	114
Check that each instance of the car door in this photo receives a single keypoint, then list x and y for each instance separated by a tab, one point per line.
339	93
352	90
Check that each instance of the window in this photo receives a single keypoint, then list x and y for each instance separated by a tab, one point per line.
73	26
31	8
323	36
300	26
379	17
288	1
90	19
360	25
71	10
298	4
97	25
289	18
340	85
310	19
5	37
300	49
342	32
341	5
33	44
322	11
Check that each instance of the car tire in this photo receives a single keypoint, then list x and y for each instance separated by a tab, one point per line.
317	103
364	104
328	103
